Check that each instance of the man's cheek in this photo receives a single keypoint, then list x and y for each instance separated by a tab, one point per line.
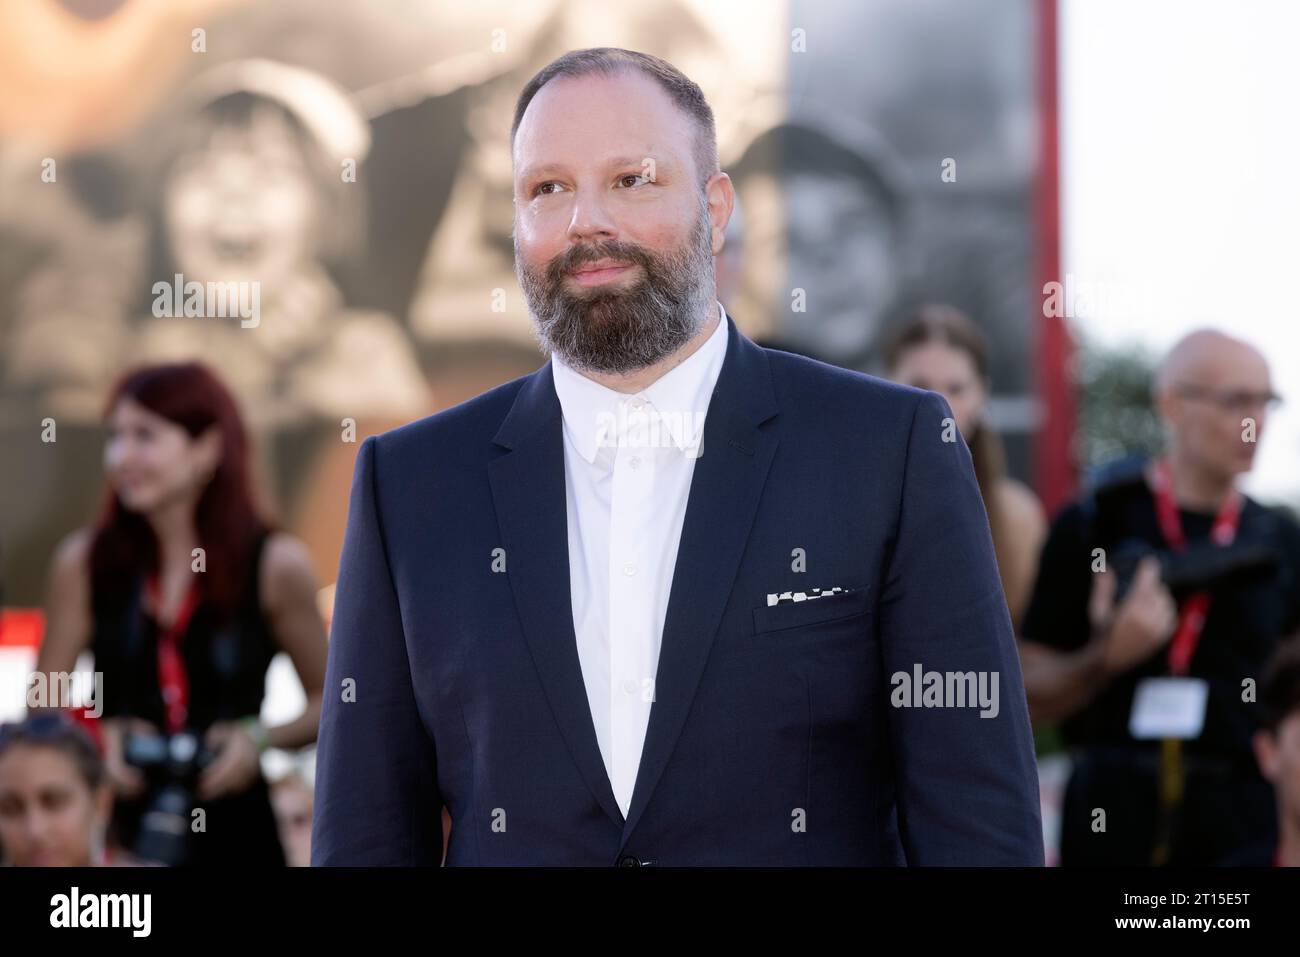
535	261
529	234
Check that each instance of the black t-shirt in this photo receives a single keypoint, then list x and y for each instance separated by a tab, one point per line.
1244	624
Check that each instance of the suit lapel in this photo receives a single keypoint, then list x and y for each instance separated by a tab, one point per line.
528	490
725	490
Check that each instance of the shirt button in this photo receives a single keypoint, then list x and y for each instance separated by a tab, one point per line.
637	404
635	462
629	569
629	686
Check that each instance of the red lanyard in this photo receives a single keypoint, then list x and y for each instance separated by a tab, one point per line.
172	679
1191	617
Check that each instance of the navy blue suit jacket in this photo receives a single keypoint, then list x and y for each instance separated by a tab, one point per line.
772	737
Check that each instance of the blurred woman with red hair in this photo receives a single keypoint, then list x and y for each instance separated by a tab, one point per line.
184	592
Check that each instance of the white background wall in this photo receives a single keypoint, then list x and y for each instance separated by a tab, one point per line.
1180	143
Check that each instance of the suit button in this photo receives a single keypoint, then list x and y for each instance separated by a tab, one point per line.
627	860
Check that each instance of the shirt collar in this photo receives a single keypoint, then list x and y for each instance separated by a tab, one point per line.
680	396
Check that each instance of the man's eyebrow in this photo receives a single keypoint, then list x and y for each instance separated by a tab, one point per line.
544	169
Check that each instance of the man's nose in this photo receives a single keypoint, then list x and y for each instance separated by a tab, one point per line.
591	219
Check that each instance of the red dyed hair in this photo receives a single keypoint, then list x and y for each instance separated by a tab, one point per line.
226	518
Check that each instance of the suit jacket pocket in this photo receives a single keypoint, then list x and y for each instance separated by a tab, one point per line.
813	611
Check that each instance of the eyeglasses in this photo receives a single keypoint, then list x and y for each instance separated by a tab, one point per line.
1235	401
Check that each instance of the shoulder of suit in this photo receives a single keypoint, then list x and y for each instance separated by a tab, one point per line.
463	422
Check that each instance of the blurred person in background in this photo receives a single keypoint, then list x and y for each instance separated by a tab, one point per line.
1277	749
1161	594
940	349
184	593
55	798
291	798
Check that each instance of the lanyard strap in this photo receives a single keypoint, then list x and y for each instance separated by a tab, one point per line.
1192	615
172	678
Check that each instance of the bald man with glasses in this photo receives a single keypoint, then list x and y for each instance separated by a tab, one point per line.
1160	596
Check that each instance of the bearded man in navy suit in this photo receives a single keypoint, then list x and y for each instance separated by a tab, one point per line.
673	598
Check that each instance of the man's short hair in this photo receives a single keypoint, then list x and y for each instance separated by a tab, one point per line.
1279	693
610	61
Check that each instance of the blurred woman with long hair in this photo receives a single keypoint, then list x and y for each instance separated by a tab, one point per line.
184	592
940	349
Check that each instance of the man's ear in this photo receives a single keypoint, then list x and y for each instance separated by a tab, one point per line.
721	195
102	797
1167	405
1265	753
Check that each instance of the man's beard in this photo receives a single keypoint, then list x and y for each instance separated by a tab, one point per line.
622	329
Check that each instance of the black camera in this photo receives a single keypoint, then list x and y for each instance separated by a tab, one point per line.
171	764
1200	567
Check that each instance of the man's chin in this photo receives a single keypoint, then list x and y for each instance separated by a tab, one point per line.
600	310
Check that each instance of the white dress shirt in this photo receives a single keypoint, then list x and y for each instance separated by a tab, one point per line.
628	463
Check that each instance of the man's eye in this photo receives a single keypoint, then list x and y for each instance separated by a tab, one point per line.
542	190
623	180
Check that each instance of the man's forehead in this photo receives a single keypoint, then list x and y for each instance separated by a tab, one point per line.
628	113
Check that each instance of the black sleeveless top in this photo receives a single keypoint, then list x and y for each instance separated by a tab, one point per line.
225	660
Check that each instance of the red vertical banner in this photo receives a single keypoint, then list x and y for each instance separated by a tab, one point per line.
1054	470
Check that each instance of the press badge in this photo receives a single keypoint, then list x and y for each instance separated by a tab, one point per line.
1169	708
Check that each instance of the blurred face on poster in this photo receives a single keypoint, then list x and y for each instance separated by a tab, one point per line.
841	250
615	229
242	207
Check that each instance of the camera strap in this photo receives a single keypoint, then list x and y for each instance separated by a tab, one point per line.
1187	635
1191	617
173	681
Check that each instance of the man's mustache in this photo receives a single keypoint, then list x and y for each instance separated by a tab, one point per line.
575	256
